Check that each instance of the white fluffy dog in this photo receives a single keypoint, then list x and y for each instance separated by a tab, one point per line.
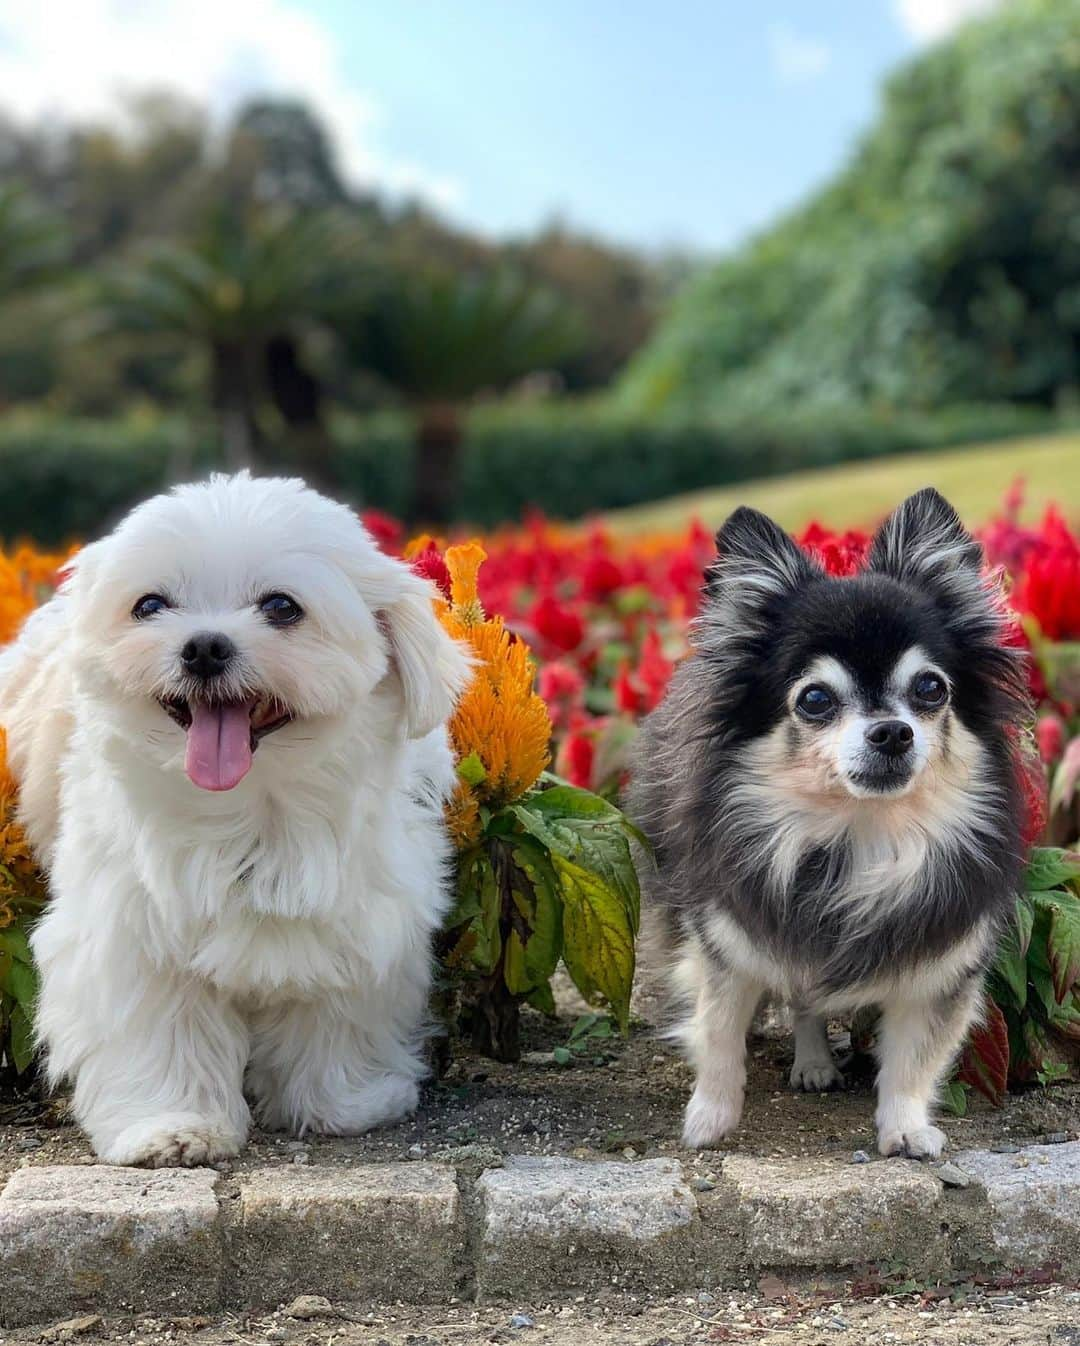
229	731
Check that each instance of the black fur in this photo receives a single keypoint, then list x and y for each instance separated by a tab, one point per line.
769	610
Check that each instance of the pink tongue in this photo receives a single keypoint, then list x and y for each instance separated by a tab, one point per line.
218	745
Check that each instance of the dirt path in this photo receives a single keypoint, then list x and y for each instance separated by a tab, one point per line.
808	1315
618	1098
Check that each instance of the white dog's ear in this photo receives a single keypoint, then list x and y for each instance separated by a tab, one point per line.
433	668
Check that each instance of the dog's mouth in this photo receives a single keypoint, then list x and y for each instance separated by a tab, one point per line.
880	781
222	735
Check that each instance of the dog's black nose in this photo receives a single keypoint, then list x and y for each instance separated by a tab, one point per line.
207	654
891	737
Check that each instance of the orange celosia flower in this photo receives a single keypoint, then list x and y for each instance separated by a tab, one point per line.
26	578
501	726
20	879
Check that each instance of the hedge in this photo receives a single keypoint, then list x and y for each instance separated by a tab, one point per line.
65	479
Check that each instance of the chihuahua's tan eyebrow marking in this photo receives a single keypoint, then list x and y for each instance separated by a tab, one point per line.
911	662
830	673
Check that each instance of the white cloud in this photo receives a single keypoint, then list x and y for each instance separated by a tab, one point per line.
928	20
77	58
796	57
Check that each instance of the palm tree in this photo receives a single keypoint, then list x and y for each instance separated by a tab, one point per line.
240	292
439	338
33	245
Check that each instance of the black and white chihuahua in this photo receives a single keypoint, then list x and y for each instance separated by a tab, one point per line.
831	793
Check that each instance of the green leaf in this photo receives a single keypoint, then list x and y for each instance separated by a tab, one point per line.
14	940
954	1098
472	770
22	1039
1065	1019
1040	974
584	1025
478	907
542	999
562	1056
1050	867
1025	921
1043	983
598	937
544	945
592	836
1063	944
1051	1072
515	974
567	801
1010	963
468	890
21	985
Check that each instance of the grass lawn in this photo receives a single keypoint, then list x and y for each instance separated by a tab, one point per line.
974	478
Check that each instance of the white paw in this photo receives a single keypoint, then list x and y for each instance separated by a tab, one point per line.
816	1075
710	1120
181	1140
922	1142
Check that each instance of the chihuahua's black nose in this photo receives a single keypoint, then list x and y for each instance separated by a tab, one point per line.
207	654
891	737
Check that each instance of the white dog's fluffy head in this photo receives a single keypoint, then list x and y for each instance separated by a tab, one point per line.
246	611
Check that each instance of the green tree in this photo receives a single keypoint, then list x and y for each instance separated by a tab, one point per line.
617	292
282	153
942	265
241	293
439	339
33	245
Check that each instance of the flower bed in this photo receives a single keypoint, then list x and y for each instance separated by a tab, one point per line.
606	620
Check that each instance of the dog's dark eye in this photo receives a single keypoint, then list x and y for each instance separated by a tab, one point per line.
280	610
929	689
815	703
148	605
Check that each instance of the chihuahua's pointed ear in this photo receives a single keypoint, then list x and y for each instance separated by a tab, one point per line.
756	560
433	669
924	543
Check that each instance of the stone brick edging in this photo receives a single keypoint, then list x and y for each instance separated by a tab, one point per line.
122	1240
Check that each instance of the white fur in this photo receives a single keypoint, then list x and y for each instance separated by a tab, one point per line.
277	933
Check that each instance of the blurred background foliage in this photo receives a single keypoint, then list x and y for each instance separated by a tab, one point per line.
174	294
942	266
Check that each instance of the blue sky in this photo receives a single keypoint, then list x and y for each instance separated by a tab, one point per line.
659	123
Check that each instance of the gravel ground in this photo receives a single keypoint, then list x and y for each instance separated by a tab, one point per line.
811	1315
621	1099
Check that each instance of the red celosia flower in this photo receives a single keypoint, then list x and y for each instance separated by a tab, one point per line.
639	690
431	564
563	688
1013	636
576	758
1050	736
558	626
841	554
600	577
627	696
386	531
1048	587
654	670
